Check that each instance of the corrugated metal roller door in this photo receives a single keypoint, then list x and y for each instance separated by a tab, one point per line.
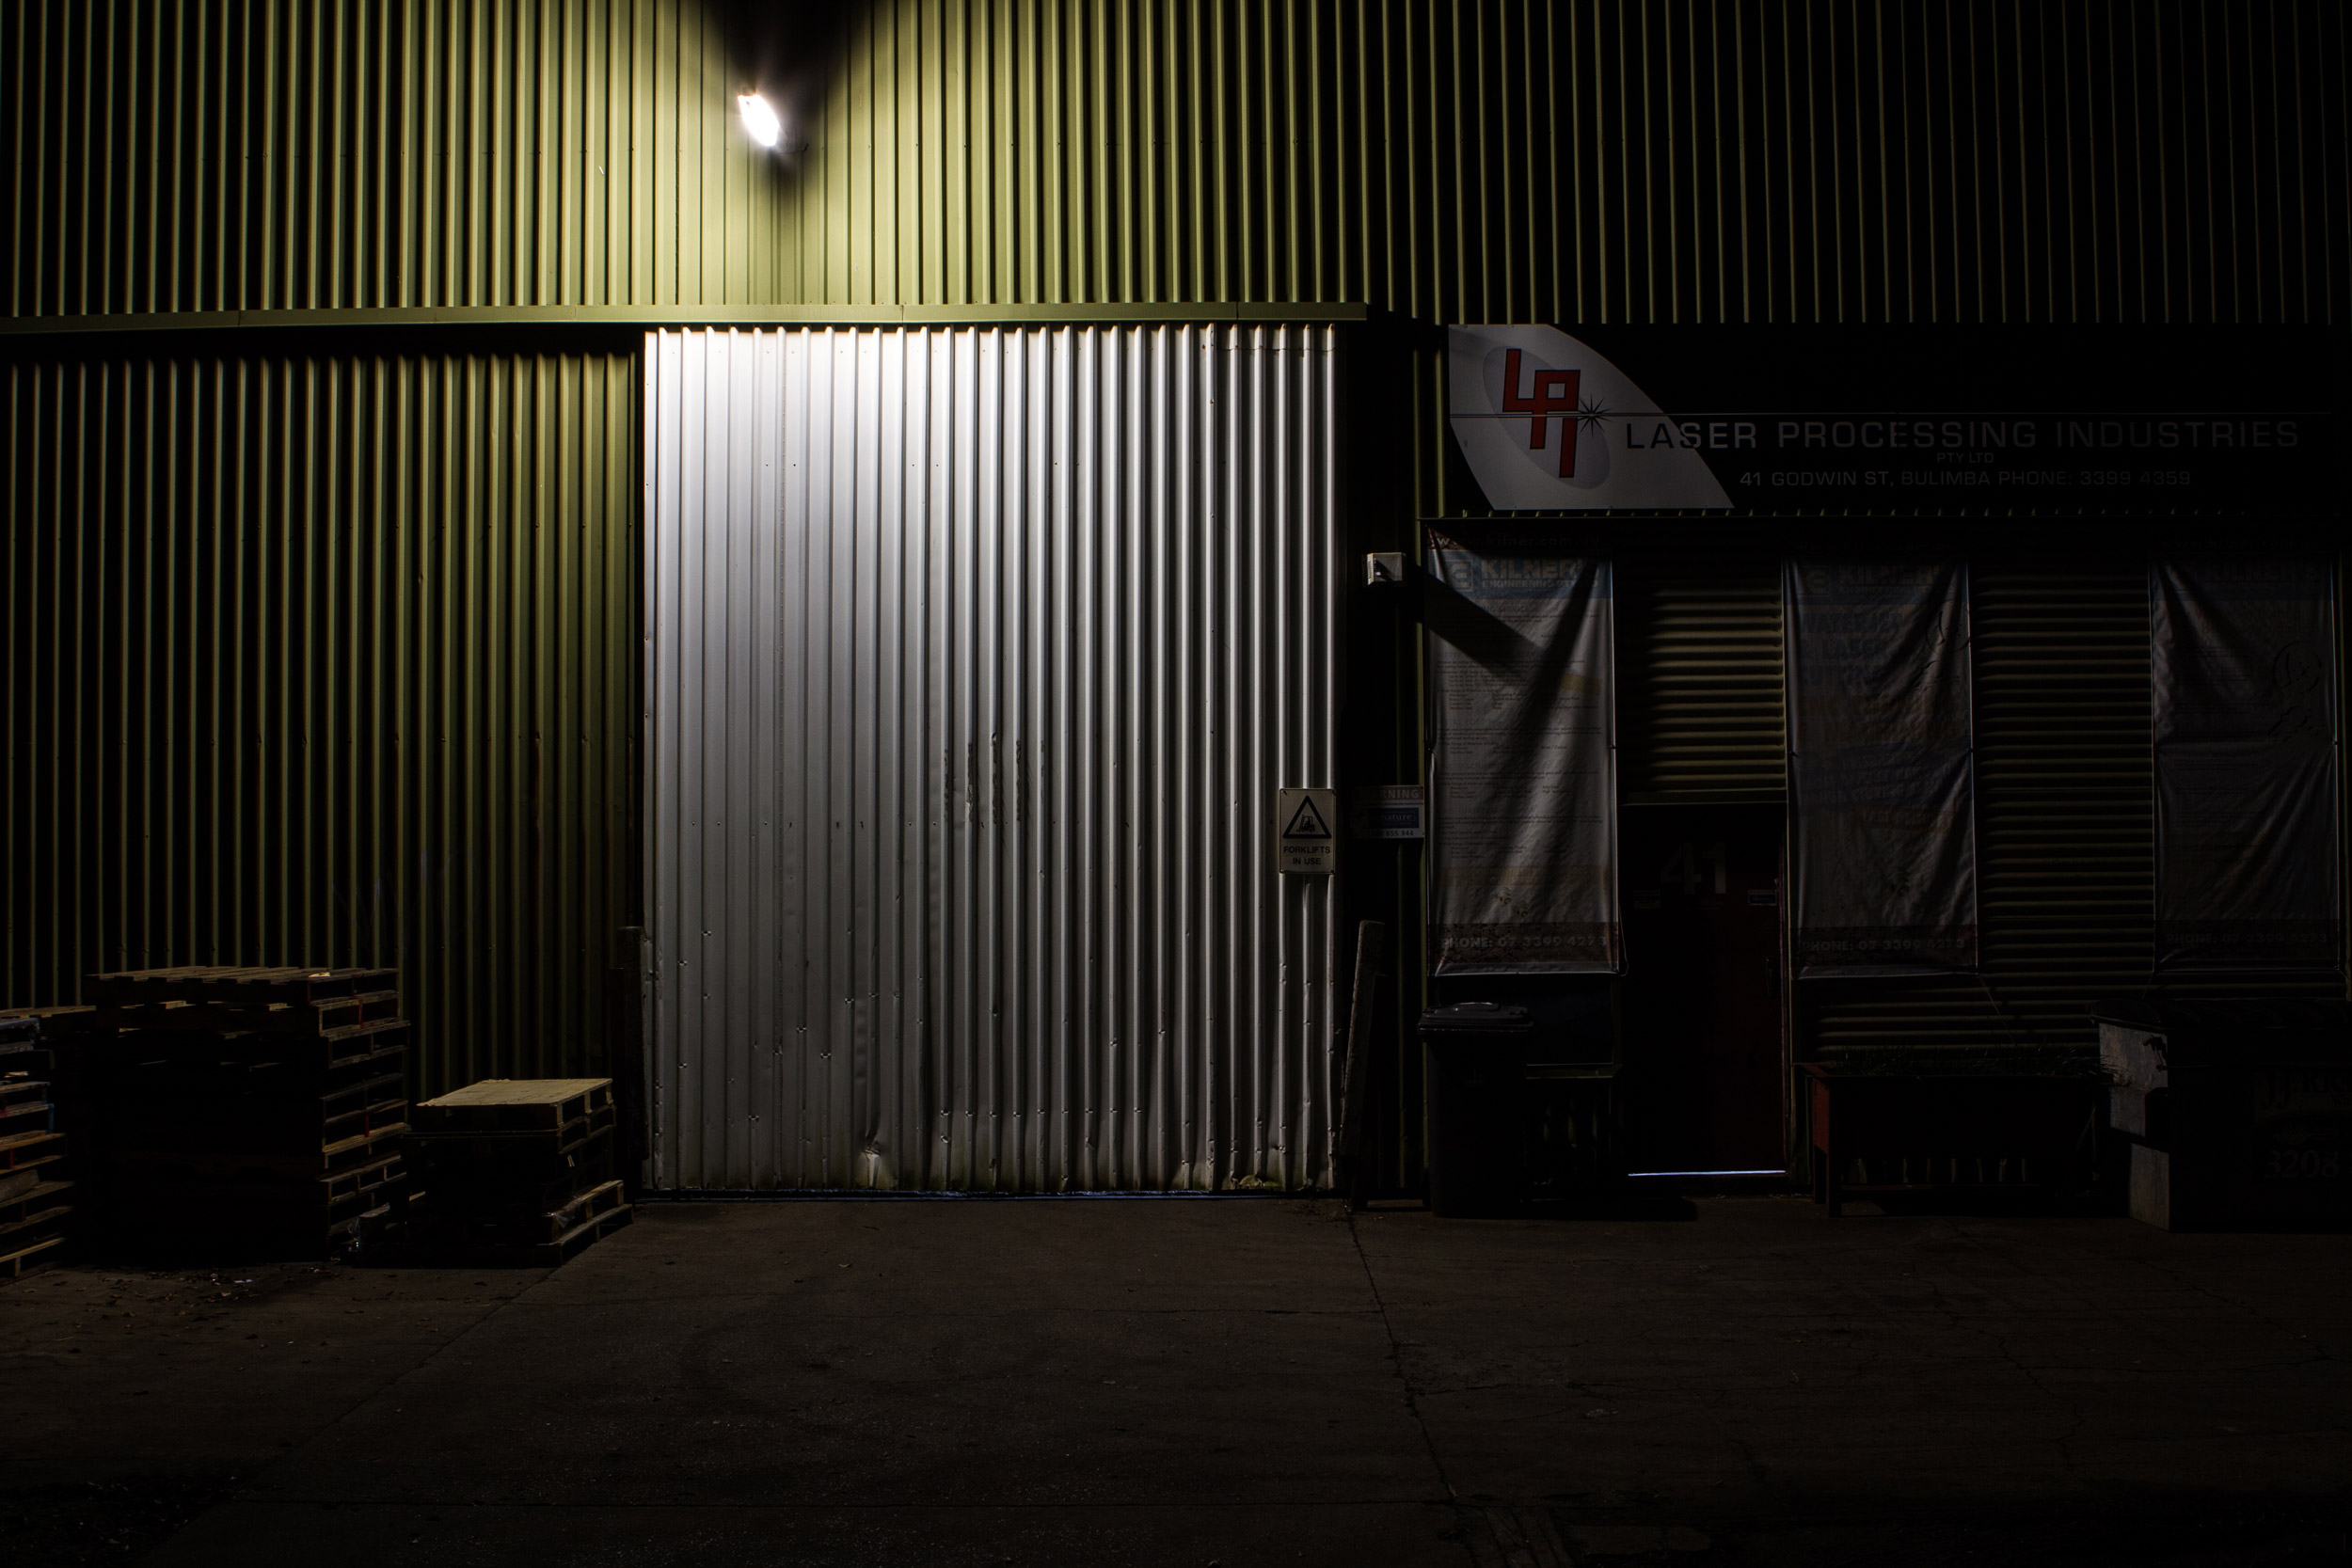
2066	869
977	657
1699	655
2059	653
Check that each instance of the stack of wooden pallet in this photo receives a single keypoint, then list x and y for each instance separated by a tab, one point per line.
35	1196
251	1110
519	1170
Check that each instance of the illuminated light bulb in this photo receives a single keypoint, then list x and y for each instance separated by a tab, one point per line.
759	119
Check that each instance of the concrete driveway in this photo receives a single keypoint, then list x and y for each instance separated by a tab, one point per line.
1189	1382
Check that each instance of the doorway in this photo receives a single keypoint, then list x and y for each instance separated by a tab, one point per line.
1704	1035
961	760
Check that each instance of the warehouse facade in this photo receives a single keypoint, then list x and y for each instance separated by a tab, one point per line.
359	611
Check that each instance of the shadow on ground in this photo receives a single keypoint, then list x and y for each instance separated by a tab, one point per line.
1261	1381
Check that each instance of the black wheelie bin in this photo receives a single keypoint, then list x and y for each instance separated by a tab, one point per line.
1476	1054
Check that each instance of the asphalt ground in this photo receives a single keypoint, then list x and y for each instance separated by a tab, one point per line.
1190	1381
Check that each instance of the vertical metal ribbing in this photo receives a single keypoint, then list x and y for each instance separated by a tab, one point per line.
1964	160
1054	624
329	658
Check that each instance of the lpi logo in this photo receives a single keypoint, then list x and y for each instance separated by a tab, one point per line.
1551	395
1548	425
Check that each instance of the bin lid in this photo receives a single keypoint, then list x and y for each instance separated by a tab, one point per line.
1476	1018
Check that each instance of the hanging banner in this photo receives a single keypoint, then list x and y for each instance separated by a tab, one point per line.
2247	852
1881	768
2102	418
1523	787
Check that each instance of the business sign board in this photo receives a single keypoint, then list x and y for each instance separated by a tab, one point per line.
1388	811
2208	419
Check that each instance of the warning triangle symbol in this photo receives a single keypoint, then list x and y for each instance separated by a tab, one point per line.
1307	822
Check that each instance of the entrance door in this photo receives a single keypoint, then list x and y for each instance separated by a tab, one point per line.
1703	1062
968	716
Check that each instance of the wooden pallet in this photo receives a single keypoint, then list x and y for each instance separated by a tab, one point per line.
474	1186
19	1150
250	1112
518	1105
359	1179
362	1118
25	1106
243	985
15	1265
18	1234
32	1173
171	1082
509	1168
54	1023
384	1227
239	1219
19	1061
33	1202
490	1229
312	1019
542	1254
346	1157
181	1189
365	1210
167	1037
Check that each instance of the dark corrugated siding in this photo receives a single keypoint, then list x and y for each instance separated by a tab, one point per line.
329	660
1699	667
1448	160
2066	847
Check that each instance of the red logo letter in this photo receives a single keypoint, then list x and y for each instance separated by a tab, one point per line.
1554	395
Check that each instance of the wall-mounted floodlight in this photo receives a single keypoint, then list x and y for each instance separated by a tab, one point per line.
759	120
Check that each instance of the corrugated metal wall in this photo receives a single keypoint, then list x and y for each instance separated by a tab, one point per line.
2067	846
1699	657
328	658
976	658
1452	160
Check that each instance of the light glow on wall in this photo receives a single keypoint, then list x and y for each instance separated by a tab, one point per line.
759	120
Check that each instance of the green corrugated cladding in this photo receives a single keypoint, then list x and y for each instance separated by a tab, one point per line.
1479	160
1445	159
318	658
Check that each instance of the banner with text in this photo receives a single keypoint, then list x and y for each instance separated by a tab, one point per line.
2069	419
1523	787
2248	853
1881	768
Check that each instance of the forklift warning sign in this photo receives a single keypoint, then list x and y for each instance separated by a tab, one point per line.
1304	843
